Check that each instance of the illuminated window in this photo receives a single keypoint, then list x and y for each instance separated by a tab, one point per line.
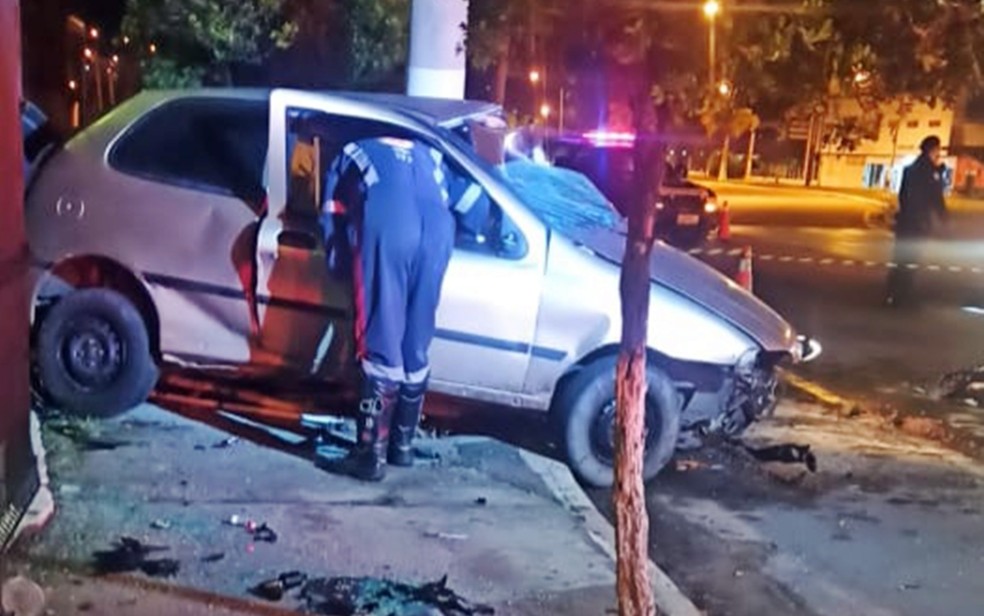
912	124
935	123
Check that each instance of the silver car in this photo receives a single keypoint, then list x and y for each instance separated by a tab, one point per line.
184	228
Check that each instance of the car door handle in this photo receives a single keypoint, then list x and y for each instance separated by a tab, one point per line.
297	239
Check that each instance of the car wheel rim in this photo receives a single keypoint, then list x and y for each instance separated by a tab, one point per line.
603	431
92	353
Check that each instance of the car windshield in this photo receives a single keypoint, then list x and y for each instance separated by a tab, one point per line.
563	199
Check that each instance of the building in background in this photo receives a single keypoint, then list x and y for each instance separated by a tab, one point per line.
870	147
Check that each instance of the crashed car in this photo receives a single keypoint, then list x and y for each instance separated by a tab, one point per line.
184	228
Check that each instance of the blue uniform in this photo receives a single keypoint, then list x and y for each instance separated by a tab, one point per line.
400	196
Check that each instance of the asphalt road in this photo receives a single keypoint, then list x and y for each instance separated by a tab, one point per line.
827	275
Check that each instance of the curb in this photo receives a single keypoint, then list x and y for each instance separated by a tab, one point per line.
670	600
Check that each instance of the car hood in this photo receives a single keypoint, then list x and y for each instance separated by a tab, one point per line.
700	283
571	205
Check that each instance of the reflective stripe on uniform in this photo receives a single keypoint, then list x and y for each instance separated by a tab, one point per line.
363	162
379	371
417	377
468	200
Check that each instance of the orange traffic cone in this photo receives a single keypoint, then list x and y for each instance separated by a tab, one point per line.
724	223
744	277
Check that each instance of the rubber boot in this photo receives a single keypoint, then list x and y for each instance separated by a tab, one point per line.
367	461
405	421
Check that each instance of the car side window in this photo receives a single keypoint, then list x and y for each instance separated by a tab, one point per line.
208	144
482	226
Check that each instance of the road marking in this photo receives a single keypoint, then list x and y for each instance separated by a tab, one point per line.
805	260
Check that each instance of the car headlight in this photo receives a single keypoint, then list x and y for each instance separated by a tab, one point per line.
710	207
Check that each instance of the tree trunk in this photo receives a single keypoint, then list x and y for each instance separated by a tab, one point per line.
635	591
501	77
725	155
750	157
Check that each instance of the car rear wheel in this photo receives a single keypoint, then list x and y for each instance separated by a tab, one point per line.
93	354
586	409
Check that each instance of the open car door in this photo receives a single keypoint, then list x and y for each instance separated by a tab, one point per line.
303	308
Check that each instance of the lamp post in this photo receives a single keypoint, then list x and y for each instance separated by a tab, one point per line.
711	10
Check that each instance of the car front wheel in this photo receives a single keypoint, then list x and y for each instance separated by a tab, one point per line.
93	354
585	407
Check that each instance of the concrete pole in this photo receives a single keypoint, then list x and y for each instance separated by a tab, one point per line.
437	48
15	450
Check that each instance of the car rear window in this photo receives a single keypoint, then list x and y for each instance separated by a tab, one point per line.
208	144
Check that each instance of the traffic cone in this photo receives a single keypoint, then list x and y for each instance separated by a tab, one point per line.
744	277
724	223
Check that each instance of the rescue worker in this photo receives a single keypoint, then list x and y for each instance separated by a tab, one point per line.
398	196
921	201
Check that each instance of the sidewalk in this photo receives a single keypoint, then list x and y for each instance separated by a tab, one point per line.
506	535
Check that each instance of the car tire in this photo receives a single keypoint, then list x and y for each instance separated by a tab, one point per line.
93	354
585	410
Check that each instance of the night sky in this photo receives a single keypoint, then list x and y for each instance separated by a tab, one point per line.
105	13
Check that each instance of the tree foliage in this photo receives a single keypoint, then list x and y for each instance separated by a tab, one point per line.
197	40
379	35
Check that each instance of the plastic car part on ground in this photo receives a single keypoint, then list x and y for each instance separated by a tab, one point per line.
342	596
129	554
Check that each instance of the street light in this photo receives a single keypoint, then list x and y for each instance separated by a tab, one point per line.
534	76
545	110
87	53
153	48
93	33
72	84
712	8
724	88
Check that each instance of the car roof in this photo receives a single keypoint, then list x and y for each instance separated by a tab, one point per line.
436	111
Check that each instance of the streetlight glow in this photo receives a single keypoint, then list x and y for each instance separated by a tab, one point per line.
87	53
534	76
712	8
116	59
126	40
153	48
72	85
545	110
94	33
724	88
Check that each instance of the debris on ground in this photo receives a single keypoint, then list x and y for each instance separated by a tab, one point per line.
686	465
160	524
260	531
226	443
213	557
129	554
481	501
21	597
446	536
275	589
966	386
787	454
377	597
